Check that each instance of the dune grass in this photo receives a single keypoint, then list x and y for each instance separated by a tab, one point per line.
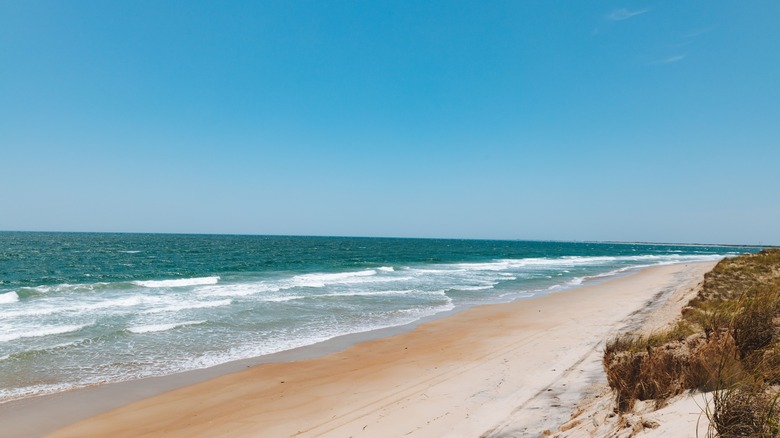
727	342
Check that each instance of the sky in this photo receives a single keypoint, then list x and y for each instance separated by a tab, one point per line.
649	121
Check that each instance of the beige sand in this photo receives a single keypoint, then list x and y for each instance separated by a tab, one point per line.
682	416
500	370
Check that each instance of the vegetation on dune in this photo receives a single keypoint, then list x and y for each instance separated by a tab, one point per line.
727	342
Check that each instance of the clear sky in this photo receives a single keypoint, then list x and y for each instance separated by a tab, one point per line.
562	120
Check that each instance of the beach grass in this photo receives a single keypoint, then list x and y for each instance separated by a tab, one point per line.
727	343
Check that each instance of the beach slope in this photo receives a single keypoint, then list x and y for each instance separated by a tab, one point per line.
515	369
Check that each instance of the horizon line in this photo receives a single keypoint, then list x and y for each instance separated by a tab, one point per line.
615	242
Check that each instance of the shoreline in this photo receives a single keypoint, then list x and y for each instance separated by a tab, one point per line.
35	411
97	399
131	397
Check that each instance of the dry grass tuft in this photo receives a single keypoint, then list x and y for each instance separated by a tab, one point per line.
728	341
745	412
638	370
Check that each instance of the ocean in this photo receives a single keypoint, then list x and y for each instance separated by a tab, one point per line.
79	309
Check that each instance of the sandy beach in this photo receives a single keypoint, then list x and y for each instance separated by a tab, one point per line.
516	369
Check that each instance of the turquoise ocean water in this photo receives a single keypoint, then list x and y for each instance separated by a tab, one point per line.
79	309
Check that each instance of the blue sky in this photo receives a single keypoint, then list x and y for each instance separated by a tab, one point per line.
570	120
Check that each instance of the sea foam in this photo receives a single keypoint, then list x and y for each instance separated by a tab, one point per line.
43	331
52	308
151	328
237	290
9	297
191	305
321	280
179	282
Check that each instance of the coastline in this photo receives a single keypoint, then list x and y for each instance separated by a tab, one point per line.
470	372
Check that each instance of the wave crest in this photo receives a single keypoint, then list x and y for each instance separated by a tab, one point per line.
9	297
151	328
179	282
44	331
321	280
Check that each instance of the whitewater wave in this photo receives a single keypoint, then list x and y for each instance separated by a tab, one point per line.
190	306
10	394
577	281
179	282
283	298
29	292
422	312
313	280
386	293
321	280
44	331
396	318
9	297
444	270
574	261
237	290
473	288
152	328
362	293
35	351
55	308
